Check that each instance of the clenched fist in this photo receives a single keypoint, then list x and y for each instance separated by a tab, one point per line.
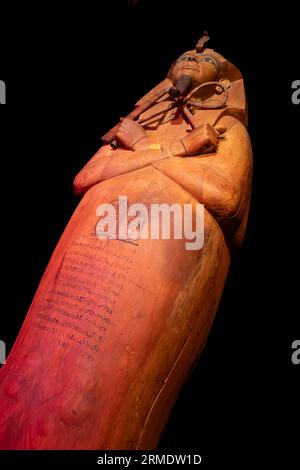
129	133
203	139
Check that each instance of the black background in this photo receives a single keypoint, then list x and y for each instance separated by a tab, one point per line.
70	74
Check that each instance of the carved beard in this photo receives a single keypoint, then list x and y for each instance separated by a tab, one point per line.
182	87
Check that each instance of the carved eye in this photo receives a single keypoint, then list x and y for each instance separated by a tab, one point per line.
180	59
207	59
190	58
210	60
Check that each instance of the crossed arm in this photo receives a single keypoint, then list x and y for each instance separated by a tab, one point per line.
138	151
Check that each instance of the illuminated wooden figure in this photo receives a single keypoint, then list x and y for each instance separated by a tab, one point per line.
116	325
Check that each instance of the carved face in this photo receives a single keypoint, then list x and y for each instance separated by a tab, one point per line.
201	67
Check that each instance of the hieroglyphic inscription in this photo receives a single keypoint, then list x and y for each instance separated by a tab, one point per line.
79	308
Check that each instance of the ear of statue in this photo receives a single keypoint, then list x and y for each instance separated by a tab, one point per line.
225	82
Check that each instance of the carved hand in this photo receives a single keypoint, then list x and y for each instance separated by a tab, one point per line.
130	133
203	139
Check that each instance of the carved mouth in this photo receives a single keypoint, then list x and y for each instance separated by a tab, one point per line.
190	67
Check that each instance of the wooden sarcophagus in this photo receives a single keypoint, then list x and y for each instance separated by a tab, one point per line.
118	321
